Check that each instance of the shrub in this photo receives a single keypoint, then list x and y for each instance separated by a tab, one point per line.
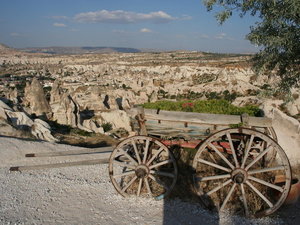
205	106
80	132
107	126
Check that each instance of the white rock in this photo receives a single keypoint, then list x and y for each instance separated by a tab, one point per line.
41	130
118	119
288	133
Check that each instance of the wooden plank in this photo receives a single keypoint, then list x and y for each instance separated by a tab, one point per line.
72	152
59	165
141	120
204	118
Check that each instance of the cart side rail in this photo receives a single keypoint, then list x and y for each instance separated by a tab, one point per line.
166	124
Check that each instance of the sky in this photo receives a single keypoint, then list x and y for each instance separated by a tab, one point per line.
155	24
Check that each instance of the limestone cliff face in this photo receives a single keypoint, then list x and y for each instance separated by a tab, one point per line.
36	100
66	110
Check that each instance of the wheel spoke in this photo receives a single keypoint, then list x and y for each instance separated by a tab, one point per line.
266	183
259	157
244	200
214	165
270	204
212	177
146	151
136	151
129	157
228	197
232	149
129	184
139	187
142	166
148	186
123	164
266	170
165	174
218	187
159	182
161	163
247	151
155	155
124	174
221	155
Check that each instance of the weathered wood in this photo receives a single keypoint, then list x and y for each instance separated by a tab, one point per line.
72	152
245	119
59	165
204	118
141	120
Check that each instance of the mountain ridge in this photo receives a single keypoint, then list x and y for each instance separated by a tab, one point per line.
79	50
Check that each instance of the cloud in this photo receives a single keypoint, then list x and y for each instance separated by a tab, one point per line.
223	36
59	25
186	17
59	17
145	30
203	36
123	17
14	34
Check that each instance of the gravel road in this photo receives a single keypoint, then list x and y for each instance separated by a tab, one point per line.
85	195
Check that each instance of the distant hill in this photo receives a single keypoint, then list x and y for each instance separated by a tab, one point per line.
4	49
2	46
79	50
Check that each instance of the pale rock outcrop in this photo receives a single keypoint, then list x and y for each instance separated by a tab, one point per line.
13	95
7	130
66	111
92	126
64	108
56	92
20	121
42	130
124	98
118	119
110	102
142	98
293	107
153	97
287	130
36	100
248	100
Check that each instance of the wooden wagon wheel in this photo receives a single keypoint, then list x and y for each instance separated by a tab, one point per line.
232	173
143	166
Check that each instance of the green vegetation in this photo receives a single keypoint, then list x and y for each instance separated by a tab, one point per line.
77	131
106	127
277	33
191	95
204	106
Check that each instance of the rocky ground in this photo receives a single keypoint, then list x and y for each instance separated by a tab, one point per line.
44	95
85	195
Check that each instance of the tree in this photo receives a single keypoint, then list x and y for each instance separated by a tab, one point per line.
277	33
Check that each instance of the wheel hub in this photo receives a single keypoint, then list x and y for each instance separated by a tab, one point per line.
239	176
141	171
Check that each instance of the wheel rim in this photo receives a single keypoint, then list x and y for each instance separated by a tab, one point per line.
143	166
233	173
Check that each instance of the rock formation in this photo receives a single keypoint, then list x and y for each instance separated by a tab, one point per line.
66	111
14	122
36	100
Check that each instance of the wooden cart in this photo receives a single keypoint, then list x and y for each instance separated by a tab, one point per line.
238	167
